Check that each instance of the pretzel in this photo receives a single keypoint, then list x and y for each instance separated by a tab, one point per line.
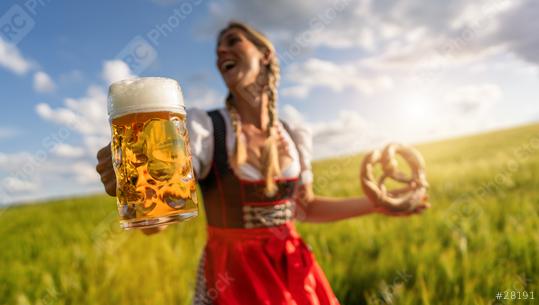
403	199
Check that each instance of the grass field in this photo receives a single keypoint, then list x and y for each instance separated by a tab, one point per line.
480	237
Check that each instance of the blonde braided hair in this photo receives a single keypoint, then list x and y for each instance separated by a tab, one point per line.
240	151
270	152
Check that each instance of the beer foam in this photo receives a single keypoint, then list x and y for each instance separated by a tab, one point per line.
145	94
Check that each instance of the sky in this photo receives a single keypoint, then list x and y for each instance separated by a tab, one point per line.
359	73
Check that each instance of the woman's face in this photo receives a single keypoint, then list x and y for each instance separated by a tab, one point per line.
238	60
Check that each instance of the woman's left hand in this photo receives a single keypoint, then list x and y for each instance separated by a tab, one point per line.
420	208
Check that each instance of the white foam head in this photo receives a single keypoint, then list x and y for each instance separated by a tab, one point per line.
145	94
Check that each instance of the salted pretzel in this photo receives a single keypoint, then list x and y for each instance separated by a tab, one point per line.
403	199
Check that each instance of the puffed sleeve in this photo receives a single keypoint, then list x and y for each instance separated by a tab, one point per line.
303	138
200	130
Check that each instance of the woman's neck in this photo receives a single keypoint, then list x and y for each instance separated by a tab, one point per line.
253	109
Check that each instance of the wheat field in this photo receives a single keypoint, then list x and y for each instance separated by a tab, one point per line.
480	237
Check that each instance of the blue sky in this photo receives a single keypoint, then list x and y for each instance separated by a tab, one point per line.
358	72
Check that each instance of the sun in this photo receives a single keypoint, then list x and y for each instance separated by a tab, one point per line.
418	109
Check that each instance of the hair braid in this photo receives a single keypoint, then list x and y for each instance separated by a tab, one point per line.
240	151
270	153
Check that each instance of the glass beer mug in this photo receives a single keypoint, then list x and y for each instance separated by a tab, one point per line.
155	184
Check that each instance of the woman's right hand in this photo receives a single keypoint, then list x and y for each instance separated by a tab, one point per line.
105	170
108	177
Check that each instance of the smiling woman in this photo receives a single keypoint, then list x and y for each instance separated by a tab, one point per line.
255	174
358	72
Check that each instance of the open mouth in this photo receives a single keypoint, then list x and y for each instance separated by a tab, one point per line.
228	65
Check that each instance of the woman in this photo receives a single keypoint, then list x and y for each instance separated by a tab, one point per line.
255	175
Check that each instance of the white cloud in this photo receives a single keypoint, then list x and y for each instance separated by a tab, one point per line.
344	23
202	97
43	83
262	13
347	134
291	115
16	185
12	59
12	162
26	177
298	91
518	29
85	172
473	99
115	70
60	116
68	151
86	115
337	77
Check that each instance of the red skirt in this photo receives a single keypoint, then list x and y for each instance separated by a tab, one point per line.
260	266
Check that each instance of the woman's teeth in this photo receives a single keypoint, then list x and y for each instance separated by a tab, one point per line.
227	65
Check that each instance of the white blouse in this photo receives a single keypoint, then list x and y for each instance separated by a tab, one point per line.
200	128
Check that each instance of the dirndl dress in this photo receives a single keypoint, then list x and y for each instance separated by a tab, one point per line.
254	254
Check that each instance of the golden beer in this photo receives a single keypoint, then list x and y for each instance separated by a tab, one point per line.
150	153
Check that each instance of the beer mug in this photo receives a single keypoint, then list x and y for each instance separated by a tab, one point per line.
155	184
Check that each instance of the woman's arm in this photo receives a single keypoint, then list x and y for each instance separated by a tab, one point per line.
319	209
327	209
